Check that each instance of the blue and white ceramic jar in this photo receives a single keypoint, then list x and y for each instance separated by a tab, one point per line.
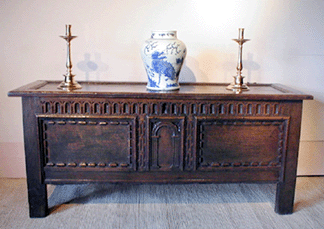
163	55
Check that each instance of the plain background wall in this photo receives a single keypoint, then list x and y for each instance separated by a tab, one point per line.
286	47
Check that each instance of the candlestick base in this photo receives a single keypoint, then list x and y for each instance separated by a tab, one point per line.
238	87
69	84
235	87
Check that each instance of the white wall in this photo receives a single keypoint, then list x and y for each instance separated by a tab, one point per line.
286	47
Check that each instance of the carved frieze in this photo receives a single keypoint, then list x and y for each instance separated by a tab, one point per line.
152	107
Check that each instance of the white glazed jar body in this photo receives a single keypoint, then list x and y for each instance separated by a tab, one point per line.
163	55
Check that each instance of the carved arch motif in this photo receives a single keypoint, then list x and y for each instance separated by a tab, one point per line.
166	138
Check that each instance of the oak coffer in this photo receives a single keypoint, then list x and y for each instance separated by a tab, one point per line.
121	132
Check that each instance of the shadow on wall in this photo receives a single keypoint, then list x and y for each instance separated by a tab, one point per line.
92	66
213	65
186	74
229	67
191	71
312	122
250	66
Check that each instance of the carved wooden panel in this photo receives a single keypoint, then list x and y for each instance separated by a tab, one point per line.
81	142
143	157
190	155
250	142
166	141
155	107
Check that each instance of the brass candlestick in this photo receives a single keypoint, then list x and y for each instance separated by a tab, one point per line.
69	83
238	85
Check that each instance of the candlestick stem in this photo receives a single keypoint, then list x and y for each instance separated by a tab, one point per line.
68	83
238	86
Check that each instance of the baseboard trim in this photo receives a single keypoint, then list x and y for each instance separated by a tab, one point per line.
310	176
